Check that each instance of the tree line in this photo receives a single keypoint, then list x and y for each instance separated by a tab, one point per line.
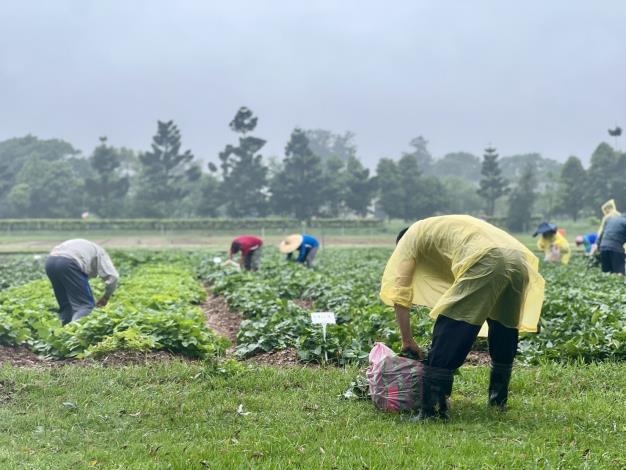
320	175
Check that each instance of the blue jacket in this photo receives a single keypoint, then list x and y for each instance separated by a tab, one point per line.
589	240
308	242
613	236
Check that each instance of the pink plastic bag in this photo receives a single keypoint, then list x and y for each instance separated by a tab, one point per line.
394	381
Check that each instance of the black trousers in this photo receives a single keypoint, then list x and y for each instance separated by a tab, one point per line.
71	288
612	262
453	339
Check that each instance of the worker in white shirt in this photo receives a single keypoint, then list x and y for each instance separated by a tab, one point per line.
69	267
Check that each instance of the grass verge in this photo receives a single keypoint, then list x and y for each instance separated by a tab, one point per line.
193	415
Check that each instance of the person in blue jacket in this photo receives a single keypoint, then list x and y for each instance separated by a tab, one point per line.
588	241
306	245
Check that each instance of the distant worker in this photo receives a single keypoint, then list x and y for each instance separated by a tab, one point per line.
611	244
553	244
307	247
250	248
588	241
69	267
609	209
469	272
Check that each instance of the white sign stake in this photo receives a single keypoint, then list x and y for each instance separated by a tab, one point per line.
323	318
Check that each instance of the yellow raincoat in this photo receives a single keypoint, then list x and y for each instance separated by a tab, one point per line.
466	269
609	209
557	240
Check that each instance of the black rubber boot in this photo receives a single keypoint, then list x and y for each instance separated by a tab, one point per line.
446	380
436	389
499	384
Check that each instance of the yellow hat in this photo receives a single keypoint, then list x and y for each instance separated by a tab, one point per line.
290	243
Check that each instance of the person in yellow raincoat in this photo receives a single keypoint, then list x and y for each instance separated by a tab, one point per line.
554	245
469	272
609	209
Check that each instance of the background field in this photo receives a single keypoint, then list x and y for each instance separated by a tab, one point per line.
25	242
182	414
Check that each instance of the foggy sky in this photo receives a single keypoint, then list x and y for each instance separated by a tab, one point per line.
533	76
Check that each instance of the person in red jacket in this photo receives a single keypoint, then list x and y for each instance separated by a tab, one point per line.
250	248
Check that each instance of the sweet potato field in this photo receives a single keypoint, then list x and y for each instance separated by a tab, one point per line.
158	307
584	315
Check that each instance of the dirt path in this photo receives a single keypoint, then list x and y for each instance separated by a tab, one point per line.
22	357
221	319
225	322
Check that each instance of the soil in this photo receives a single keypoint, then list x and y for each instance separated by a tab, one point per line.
227	323
221	318
304	303
22	357
478	358
283	358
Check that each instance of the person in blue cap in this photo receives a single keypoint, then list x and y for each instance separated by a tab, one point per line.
554	245
307	246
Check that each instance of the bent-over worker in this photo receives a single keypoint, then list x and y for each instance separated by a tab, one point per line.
69	267
553	244
611	244
307	246
251	250
468	272
588	241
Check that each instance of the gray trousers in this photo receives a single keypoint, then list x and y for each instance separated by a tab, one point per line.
252	260
71	288
310	257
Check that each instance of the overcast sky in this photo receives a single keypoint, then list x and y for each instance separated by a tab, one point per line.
533	76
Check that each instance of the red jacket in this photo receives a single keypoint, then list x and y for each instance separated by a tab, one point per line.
248	243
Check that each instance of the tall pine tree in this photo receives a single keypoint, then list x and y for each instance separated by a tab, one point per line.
107	188
618	182
522	200
297	189
601	175
334	186
390	193
404	193
572	187
360	187
492	184
165	174
244	177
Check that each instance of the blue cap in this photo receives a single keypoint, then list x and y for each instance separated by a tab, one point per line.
545	227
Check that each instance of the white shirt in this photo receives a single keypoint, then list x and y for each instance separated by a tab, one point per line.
92	260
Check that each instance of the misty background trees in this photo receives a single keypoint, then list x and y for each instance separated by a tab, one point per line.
319	175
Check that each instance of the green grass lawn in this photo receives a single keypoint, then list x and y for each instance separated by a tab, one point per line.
185	415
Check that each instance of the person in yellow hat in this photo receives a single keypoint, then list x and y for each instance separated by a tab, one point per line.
469	272
306	245
553	243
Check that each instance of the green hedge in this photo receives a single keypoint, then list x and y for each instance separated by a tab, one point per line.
8	225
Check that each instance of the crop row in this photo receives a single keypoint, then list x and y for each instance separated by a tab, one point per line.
583	317
155	307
